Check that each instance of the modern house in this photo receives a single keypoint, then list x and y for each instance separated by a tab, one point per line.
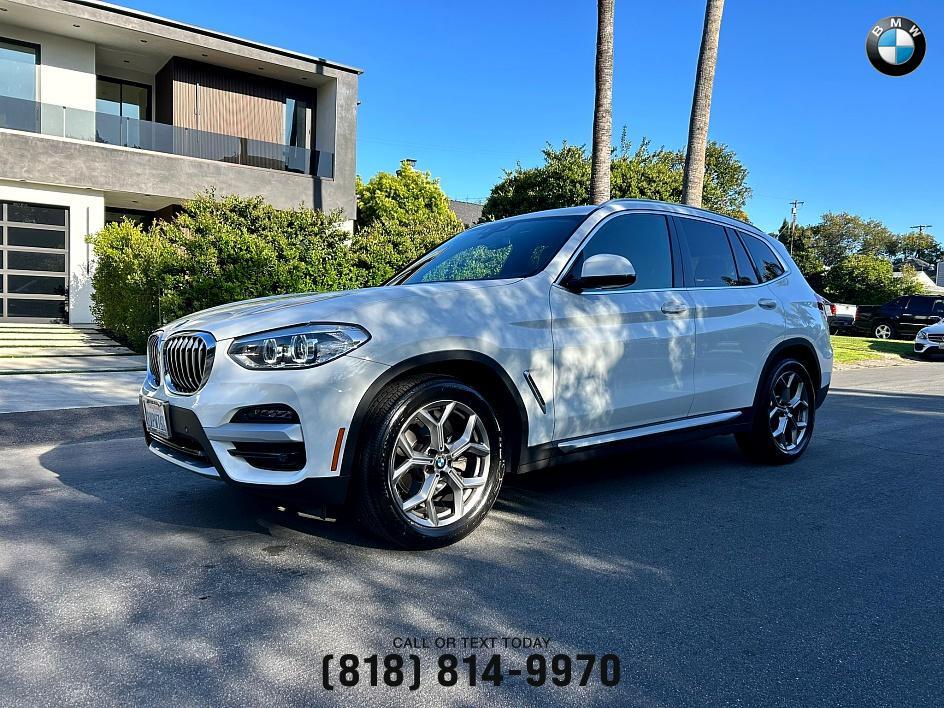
108	112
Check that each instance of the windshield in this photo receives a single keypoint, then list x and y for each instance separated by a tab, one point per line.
512	248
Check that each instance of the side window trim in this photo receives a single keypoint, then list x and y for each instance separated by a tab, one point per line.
673	249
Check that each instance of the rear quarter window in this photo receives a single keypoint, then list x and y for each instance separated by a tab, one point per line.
767	263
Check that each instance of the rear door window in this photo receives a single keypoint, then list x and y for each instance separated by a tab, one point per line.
710	260
919	306
768	265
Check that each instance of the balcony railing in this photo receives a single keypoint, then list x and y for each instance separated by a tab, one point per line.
60	121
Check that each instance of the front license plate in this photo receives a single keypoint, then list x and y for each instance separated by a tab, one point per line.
156	417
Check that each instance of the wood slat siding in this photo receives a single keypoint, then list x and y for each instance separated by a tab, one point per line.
230	103
241	116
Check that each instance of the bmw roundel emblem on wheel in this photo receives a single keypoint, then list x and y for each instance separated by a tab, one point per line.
895	46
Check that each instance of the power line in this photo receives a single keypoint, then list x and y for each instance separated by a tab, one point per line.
922	227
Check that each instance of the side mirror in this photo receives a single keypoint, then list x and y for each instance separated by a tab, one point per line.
604	270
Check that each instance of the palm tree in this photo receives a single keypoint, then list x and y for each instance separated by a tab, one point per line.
701	105
603	106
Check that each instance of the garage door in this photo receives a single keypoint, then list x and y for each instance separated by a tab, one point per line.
35	257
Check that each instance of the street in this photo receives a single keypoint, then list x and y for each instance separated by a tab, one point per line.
126	580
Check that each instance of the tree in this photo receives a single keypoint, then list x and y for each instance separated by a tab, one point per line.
920	245
406	198
642	173
603	105
701	105
802	246
867	280
840	235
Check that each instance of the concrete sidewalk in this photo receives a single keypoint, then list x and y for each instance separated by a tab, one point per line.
39	392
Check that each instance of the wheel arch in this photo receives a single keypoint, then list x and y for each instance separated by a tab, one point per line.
472	368
803	351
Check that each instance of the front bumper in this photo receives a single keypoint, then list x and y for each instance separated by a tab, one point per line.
205	440
924	346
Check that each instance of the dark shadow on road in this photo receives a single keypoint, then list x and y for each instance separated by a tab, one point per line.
715	581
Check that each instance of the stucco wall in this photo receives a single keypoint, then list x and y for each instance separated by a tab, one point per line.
86	215
67	70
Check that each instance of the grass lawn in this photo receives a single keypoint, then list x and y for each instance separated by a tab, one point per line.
851	350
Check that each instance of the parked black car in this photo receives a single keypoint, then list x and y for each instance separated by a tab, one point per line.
900	318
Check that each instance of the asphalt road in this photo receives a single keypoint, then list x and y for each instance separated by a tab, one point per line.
124	580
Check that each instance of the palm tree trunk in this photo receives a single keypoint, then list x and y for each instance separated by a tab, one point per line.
701	105
603	106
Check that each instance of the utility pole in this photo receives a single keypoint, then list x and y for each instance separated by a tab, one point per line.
922	227
795	204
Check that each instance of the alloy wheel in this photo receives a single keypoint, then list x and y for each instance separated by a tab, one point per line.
439	467
883	331
789	411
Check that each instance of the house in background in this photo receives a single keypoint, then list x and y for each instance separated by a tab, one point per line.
108	112
469	213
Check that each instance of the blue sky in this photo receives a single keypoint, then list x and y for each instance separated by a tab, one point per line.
470	88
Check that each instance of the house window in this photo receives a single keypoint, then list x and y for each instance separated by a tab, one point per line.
18	64
123	98
18	107
296	122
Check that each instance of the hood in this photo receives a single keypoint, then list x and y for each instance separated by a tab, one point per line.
251	316
937	328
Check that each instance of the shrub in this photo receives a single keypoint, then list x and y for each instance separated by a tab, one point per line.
379	251
127	280
235	248
220	250
403	200
867	280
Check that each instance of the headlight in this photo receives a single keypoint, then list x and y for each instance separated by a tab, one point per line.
299	347
922	335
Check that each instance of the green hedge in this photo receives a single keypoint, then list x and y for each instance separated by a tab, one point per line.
220	250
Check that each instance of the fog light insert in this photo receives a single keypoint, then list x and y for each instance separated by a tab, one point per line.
281	457
272	413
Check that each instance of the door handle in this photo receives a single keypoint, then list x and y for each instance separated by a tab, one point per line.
674	308
767	303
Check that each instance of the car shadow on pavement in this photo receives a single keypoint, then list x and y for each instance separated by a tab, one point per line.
717	581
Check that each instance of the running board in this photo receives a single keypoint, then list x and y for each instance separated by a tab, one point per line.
645	430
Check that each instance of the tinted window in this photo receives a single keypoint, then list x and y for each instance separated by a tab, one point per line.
36	238
712	263
34	214
511	248
746	274
768	265
29	260
920	306
938	308
641	238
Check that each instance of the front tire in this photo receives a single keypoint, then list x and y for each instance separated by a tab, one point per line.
432	465
784	414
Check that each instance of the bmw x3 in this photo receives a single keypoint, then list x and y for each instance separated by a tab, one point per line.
515	345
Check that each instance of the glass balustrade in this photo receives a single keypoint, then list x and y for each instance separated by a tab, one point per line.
47	119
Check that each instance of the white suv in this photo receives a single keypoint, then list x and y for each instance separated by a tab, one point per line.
517	344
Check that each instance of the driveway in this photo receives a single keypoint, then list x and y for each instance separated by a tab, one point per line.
125	580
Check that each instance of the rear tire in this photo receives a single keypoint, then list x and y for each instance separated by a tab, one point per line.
883	330
784	414
432	464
